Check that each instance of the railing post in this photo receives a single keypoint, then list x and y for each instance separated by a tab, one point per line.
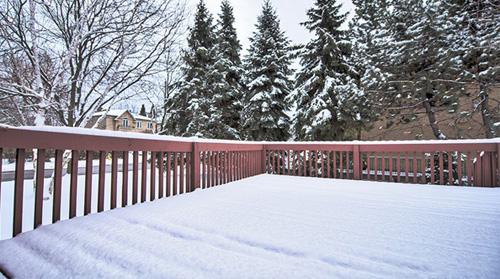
195	165
263	160
498	164
355	162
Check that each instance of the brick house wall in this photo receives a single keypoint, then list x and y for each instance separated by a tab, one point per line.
117	123
451	123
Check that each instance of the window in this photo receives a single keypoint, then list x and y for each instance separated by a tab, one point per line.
150	126
139	124
125	122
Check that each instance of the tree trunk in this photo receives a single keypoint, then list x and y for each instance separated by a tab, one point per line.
431	115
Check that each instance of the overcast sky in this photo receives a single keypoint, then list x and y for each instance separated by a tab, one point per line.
291	13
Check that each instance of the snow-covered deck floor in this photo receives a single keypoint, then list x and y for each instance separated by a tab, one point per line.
275	227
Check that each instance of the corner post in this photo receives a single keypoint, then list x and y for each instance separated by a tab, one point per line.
498	165
263	159
195	166
355	162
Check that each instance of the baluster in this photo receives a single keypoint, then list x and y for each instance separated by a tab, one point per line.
73	184
160	174
169	174
88	182
40	175
423	166
383	166
135	178
174	186
181	175
114	178
125	179
19	191
144	177
399	166
407	168
441	167
432	168
102	177
152	177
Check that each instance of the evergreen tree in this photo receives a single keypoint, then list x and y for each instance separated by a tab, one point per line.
406	45
329	102
267	70
226	102
193	102
143	110
473	29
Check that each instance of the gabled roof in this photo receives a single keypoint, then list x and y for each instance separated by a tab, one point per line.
115	112
119	112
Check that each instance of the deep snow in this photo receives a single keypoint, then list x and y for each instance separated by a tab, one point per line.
276	227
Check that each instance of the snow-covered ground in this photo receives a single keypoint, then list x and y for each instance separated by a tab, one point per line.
275	227
28	165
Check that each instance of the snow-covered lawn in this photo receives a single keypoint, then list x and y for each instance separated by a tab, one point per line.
28	165
275	227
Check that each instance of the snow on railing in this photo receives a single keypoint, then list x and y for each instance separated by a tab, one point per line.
107	170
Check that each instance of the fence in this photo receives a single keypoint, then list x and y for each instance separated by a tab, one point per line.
159	168
461	163
153	167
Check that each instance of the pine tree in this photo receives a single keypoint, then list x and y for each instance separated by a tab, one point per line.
329	102
227	96
195	96
406	45
473	29
143	110
267	70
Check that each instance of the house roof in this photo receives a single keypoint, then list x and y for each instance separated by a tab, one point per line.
115	112
119	112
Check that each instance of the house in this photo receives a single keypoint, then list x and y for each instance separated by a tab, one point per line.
412	123
123	120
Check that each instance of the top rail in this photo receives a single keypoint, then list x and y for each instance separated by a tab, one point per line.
419	146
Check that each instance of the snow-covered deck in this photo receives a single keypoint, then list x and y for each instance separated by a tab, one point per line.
275	227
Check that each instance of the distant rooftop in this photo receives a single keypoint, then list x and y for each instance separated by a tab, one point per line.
118	112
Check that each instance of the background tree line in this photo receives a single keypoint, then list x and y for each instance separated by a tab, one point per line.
408	59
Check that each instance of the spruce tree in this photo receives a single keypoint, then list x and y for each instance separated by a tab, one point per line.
419	58
267	70
407	49
195	95
143	110
227	95
473	29
329	102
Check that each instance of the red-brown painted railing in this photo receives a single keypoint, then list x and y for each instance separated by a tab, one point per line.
469	163
176	166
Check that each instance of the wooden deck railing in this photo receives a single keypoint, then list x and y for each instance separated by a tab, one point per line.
160	167
461	163
147	167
